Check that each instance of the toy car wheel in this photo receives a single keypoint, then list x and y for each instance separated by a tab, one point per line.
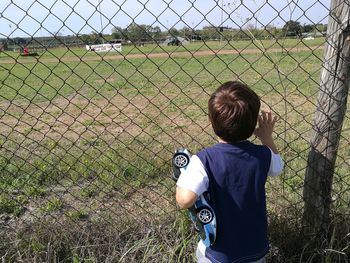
205	215
181	160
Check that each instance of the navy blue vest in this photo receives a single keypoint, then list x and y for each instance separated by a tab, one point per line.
237	176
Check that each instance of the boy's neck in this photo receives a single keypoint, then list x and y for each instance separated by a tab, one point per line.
223	141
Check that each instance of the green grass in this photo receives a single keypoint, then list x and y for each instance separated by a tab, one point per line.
92	142
81	52
39	82
52	205
137	89
77	214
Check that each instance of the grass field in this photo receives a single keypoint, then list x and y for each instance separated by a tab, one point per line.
88	143
80	52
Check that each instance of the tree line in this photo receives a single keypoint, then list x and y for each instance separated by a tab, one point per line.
146	33
141	33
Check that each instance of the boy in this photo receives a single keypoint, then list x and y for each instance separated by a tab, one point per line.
236	171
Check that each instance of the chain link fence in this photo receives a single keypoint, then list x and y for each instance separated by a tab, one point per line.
96	95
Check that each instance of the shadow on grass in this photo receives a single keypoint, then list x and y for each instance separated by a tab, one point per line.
291	243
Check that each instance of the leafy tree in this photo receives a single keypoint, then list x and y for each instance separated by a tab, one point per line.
196	35
85	38
95	38
20	41
186	32
174	32
270	31
292	28
118	33
155	32
210	32
321	27
308	28
138	33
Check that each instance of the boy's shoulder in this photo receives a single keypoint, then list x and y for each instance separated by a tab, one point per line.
245	148
235	147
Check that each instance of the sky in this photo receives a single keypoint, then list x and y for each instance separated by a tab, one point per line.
19	18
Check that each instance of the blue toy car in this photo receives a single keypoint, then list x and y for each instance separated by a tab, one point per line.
201	213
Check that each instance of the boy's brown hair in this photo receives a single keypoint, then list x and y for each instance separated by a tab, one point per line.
233	111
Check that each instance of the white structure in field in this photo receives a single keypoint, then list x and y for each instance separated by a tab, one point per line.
105	47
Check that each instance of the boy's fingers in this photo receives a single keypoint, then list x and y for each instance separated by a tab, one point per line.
263	116
271	118
268	116
261	120
275	119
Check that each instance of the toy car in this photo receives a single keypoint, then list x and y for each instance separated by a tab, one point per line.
201	213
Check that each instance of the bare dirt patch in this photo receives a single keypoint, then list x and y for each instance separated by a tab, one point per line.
77	117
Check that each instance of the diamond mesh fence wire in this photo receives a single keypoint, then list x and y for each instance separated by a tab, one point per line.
96	95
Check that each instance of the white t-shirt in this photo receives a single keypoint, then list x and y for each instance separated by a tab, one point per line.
195	178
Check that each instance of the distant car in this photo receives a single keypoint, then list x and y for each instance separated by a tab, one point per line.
201	213
174	41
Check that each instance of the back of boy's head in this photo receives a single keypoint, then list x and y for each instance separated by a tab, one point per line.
233	111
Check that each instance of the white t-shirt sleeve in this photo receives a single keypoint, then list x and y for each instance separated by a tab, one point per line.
194	177
276	165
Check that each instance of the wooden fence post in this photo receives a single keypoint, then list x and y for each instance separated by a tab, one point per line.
328	120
